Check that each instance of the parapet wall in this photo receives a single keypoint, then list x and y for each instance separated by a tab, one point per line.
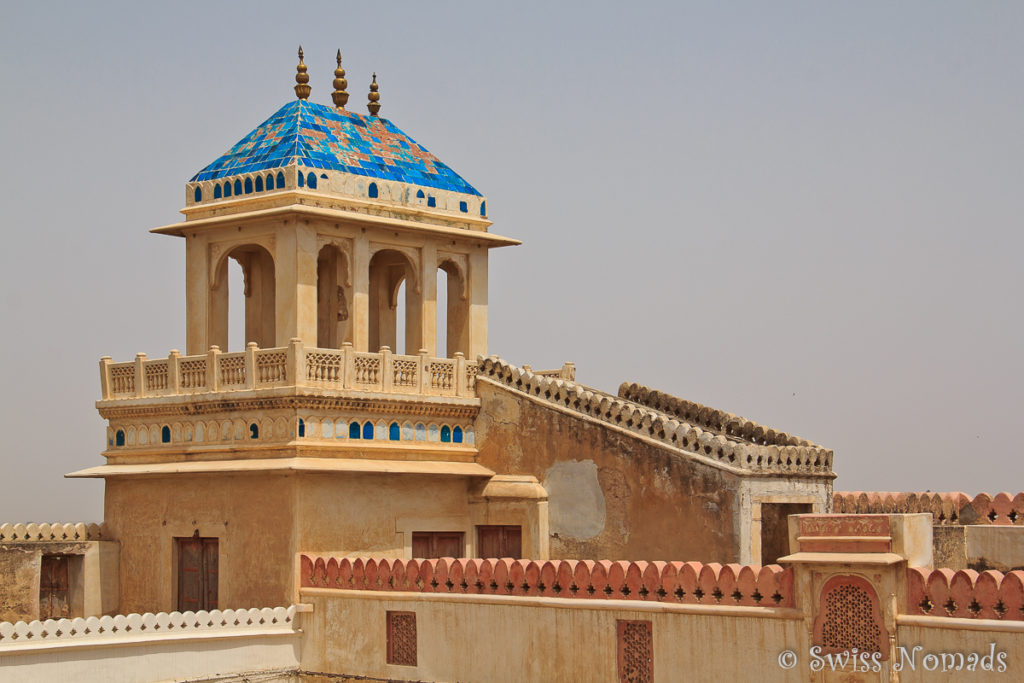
781	454
945	507
966	594
708	418
669	582
45	533
137	648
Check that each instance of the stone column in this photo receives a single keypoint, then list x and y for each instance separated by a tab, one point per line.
428	303
217	308
477	322
197	295
359	314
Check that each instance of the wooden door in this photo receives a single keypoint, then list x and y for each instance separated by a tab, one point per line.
197	574
499	541
53	588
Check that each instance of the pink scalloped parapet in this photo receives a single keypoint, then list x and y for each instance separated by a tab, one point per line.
966	594
946	508
679	582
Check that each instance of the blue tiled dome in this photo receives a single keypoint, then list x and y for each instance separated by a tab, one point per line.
320	137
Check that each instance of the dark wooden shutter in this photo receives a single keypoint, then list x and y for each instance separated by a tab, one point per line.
499	541
433	544
53	588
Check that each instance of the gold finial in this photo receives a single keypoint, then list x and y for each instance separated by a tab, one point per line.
339	95
302	78
374	104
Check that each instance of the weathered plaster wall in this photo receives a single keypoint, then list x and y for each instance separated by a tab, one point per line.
611	495
19	589
251	514
92	577
487	638
376	513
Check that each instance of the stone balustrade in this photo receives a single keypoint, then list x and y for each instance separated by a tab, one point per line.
121	626
47	533
805	459
291	366
673	582
965	594
945	507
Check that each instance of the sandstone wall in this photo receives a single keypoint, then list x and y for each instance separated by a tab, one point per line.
611	495
251	515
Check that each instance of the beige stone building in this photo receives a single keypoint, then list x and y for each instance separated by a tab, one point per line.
343	453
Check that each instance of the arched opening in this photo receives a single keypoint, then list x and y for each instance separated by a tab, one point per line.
258	288
165	434
311	181
254	431
248	185
394	432
119	438
389	269
227	188
333	298
353	430
238	187
452	299
368	430
217	193
280	180
372	191
301	179
197	195
302	428
446	434
259	183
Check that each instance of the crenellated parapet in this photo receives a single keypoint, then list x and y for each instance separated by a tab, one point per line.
52	532
719	448
124	627
946	508
708	418
965	594
669	582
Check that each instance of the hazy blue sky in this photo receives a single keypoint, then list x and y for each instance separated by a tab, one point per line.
805	213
